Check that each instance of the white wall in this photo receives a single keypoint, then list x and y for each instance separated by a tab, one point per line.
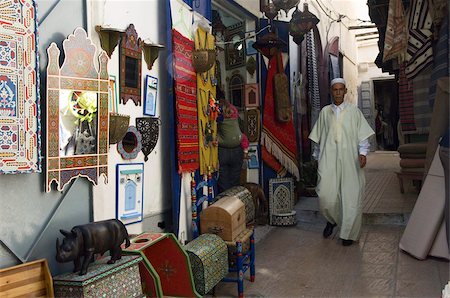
367	69
148	19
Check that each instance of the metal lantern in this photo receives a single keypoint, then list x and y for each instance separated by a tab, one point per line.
301	23
285	5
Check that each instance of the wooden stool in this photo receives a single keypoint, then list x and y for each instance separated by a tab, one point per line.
409	175
241	256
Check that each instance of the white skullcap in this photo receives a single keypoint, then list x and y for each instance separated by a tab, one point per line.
336	81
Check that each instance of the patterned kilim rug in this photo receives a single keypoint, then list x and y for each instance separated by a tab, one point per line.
406	102
186	103
278	138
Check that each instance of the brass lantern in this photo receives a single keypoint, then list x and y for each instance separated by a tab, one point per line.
301	23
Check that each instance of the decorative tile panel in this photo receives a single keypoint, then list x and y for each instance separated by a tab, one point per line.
20	130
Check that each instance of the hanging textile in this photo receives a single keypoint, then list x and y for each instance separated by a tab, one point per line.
313	77
278	137
186	103
441	65
438	10
406	102
419	53
396	35
207	108
422	109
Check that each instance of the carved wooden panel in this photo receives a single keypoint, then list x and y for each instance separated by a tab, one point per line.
130	66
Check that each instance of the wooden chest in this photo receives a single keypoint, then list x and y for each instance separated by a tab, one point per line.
31	279
209	261
245	196
120	279
225	218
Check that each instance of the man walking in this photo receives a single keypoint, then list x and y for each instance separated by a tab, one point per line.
342	133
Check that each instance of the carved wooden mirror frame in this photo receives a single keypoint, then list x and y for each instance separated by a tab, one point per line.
78	74
130	66
235	46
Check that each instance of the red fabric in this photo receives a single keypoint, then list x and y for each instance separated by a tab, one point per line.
244	142
186	103
282	134
270	160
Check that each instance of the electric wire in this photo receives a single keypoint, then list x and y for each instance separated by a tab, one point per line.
243	39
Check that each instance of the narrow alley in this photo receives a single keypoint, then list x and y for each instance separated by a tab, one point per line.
298	262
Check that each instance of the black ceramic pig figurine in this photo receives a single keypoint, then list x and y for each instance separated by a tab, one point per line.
89	239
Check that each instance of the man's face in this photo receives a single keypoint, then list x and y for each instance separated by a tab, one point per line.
338	92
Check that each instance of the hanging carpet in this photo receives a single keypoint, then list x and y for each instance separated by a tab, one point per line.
278	138
185	86
406	102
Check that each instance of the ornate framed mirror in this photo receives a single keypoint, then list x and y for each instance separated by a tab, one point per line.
130	66
235	46
77	112
131	143
236	90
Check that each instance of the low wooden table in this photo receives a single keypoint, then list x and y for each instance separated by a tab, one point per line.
418	176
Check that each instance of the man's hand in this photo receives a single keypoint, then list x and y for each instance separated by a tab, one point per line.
362	160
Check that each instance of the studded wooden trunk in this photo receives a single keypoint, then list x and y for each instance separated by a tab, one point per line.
225	218
102	280
245	196
209	261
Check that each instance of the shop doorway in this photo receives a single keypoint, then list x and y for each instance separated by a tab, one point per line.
386	114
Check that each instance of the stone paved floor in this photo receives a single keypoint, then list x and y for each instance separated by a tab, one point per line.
298	262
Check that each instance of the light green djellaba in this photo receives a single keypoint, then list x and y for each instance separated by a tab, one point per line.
341	180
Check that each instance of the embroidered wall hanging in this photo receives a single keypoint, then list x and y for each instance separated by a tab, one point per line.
131	143
207	109
252	125
130	66
129	192
149	129
186	103
77	112
20	129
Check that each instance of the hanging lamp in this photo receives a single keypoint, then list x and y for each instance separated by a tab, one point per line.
301	23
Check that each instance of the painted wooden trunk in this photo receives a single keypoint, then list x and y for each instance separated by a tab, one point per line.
225	218
120	279
209	260
167	267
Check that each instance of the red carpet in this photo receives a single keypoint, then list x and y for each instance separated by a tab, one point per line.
278	138
186	103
